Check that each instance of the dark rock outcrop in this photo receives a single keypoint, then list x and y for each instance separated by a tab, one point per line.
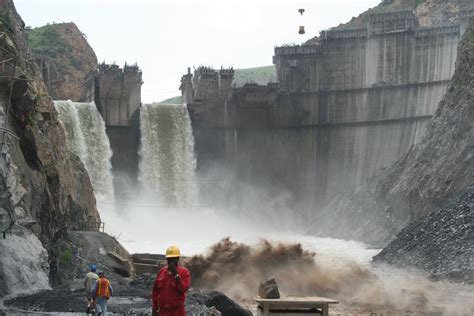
441	243
203	302
45	189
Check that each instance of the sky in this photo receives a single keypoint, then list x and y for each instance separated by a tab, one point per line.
165	37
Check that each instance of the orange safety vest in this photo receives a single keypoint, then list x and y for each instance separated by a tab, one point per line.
103	288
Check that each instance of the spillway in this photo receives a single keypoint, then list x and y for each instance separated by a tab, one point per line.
167	165
86	137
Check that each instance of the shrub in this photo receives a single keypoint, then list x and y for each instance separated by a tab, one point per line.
65	258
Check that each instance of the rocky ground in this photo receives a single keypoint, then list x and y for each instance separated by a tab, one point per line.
441	243
126	300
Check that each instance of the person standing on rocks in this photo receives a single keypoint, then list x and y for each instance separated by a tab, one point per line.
89	281
171	284
102	291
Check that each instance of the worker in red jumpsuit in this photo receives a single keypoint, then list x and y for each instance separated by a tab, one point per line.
171	284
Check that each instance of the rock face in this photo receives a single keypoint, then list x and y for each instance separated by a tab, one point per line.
64	47
441	243
45	190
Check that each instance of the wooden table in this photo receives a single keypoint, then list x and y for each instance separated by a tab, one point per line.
294	306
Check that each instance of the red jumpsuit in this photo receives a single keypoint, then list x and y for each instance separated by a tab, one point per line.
168	296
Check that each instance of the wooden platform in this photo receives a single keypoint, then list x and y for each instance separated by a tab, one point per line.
289	306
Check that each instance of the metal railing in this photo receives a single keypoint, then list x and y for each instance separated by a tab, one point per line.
93	226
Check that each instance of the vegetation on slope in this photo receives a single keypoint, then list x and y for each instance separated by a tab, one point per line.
173	100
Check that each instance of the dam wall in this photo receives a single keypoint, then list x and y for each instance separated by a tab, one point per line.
117	95
344	108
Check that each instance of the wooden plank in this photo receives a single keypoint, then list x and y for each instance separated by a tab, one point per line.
314	299
294	306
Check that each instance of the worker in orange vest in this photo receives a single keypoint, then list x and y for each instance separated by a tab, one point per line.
171	284
102	291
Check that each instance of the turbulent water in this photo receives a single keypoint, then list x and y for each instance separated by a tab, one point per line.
167	154
341	270
87	138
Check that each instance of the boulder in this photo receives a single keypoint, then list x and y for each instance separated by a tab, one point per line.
268	289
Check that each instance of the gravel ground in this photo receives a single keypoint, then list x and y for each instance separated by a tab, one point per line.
441	243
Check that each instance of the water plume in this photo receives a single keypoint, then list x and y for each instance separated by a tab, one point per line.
237	270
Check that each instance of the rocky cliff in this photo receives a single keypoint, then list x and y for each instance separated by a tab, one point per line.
64	47
44	189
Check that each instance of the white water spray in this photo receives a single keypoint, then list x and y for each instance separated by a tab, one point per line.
87	138
167	165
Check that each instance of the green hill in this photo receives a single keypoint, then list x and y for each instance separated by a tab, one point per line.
173	100
259	75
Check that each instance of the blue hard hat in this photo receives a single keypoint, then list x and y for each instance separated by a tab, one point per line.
93	267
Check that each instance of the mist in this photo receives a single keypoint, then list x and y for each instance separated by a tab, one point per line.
236	228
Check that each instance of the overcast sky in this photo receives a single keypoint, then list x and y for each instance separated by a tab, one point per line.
165	37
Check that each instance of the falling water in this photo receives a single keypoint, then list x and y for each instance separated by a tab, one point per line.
87	138
167	154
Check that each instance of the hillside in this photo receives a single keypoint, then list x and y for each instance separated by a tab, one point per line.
260	75
70	58
429	12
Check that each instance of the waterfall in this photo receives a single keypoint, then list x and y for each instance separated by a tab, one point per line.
86	137
167	163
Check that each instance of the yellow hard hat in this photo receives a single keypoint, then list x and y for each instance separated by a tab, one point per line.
173	252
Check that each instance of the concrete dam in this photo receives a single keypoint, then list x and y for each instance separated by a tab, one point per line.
345	107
